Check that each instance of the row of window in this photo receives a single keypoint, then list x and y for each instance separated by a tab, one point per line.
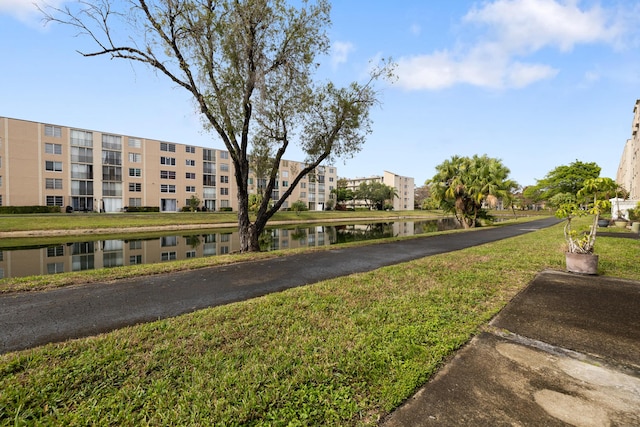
85	155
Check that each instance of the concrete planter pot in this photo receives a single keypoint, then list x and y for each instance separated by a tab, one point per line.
621	224
635	227
582	263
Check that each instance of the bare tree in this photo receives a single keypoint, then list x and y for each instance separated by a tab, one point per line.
249	66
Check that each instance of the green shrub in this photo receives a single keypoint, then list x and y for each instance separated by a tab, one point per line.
142	209
29	209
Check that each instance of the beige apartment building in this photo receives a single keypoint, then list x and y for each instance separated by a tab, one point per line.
629	169
52	165
403	185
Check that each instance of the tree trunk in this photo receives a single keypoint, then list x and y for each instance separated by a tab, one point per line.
249	238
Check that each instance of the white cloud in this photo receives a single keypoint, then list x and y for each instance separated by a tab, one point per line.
529	25
26	10
415	29
511	30
340	53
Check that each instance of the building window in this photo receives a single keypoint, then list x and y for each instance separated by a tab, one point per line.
53	131
303	195
165	146
111	173
81	171
209	155
170	161
135	259
1	200
209	167
190	162
55	267
190	175
0	180
167	174
112	189
191	189
54	200
209	180
224	203
55	251
137	202
111	157
224	191
111	142
168	256
303	185
52	148
82	154
224	154
209	193
53	166
164	188
135	157
53	184
136	187
285	183
224	179
81	138
285	174
136	172
190	254
82	188
190	149
224	167
135	143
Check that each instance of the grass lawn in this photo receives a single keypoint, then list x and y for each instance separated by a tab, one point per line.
340	352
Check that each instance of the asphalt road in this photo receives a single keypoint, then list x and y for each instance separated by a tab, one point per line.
30	319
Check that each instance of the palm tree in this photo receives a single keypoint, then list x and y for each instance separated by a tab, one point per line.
463	184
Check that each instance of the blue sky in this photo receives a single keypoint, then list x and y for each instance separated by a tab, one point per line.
536	83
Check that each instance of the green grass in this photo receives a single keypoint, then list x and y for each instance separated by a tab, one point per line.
341	352
92	221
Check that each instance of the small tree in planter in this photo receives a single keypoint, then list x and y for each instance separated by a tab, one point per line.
580	244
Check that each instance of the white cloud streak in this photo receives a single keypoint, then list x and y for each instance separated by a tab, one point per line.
26	10
340	53
511	30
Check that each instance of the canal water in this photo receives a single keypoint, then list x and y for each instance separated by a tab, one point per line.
89	254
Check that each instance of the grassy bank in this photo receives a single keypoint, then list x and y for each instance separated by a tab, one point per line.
341	352
92	221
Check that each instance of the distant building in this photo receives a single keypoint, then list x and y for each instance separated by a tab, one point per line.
52	165
628	175
403	185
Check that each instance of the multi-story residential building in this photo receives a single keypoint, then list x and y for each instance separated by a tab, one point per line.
404	187
628	175
45	164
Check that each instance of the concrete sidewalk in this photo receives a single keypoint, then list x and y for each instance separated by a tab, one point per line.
565	351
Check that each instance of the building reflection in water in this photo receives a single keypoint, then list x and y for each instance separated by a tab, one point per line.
90	255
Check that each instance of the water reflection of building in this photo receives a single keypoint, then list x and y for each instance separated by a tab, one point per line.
92	255
89	255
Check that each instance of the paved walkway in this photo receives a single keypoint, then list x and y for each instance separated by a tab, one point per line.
564	352
34	318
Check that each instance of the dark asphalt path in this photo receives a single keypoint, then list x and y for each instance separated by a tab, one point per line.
30	319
